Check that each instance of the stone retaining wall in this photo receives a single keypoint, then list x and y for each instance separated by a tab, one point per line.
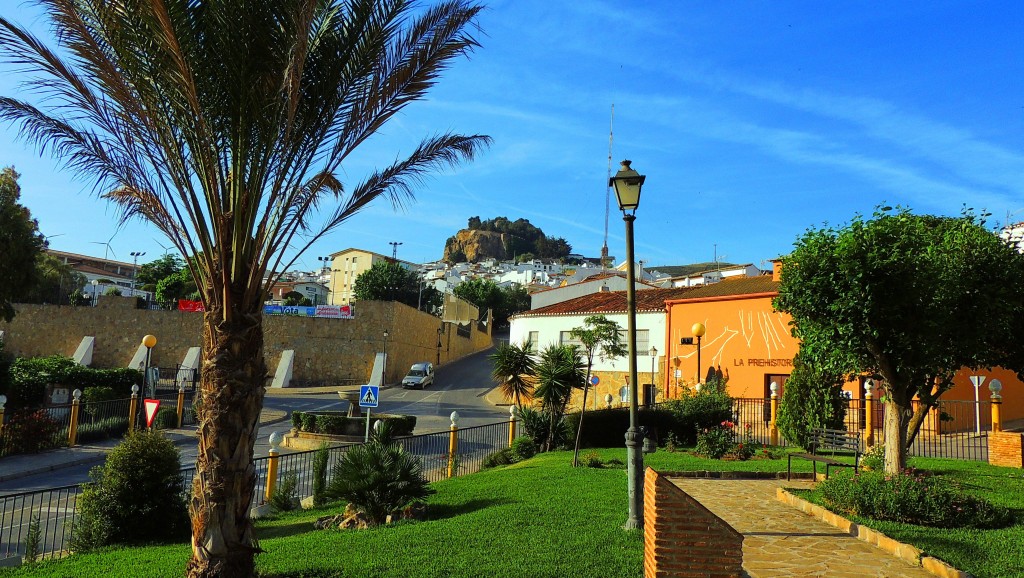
327	351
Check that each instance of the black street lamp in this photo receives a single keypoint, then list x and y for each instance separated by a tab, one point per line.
628	183
698	330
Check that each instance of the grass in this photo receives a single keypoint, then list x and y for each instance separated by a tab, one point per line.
537	518
983	553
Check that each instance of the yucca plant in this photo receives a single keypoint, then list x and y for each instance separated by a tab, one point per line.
228	125
379	478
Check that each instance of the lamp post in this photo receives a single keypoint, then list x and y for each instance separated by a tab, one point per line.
628	183
135	262
95	292
384	372
439	331
149	342
698	330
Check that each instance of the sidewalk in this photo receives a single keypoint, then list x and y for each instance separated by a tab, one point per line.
779	540
23	465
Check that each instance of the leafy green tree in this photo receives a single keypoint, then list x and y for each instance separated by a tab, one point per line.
159	269
56	281
598	336
227	124
292	298
180	285
908	298
514	368
811	399
559	372
390	281
21	244
502	301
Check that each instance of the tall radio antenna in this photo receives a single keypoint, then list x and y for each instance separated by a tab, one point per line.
608	190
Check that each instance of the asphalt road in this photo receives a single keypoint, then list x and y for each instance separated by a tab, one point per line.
459	386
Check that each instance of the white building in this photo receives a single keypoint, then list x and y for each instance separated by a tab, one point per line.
551	326
602	282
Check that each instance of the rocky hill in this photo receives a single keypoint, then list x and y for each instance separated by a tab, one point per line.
474	246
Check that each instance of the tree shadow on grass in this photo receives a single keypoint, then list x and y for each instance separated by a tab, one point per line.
283	531
443	511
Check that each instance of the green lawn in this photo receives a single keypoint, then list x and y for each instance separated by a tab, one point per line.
537	518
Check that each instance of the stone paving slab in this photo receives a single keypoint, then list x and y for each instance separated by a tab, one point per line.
781	541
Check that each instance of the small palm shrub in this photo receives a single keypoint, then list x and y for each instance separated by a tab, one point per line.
379	478
286	494
911	497
536	425
135	496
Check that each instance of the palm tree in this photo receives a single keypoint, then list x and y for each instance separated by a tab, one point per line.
598	336
559	372
226	124
514	367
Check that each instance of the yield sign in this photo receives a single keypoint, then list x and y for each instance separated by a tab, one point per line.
977	380
369	395
152	405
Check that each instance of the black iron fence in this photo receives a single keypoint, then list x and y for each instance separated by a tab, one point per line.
55	508
955	429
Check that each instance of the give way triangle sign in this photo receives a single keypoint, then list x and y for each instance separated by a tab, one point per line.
151	405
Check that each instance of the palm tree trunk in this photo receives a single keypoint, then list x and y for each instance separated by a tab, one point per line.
231	397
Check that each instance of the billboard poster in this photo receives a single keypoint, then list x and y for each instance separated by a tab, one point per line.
194	306
322	311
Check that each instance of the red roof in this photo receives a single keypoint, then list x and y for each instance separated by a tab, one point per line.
647	300
734	286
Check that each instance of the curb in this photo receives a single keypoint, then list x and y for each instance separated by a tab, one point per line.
905	552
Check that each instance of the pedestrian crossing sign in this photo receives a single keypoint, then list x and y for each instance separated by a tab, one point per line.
369	395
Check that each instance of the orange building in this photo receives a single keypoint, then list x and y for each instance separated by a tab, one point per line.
752	345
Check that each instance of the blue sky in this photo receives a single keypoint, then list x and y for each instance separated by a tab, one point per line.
751	120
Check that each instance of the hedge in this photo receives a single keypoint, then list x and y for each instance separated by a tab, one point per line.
338	423
24	383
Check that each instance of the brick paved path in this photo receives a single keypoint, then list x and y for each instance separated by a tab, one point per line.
781	541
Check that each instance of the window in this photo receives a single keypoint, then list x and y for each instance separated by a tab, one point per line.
624	394
566	338
534	337
643	345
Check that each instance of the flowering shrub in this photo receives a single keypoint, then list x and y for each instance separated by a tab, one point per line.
717	441
874	458
911	497
724	440
29	432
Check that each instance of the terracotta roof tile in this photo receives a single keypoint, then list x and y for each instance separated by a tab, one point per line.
734	286
611	302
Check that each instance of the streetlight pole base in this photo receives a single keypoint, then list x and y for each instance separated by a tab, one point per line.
635	472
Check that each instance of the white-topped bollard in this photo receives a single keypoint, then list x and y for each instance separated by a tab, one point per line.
996	386
453	445
512	413
76	404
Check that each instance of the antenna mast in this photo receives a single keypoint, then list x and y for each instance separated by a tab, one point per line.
608	190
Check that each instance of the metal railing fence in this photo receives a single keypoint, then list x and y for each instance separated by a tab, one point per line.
56	510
